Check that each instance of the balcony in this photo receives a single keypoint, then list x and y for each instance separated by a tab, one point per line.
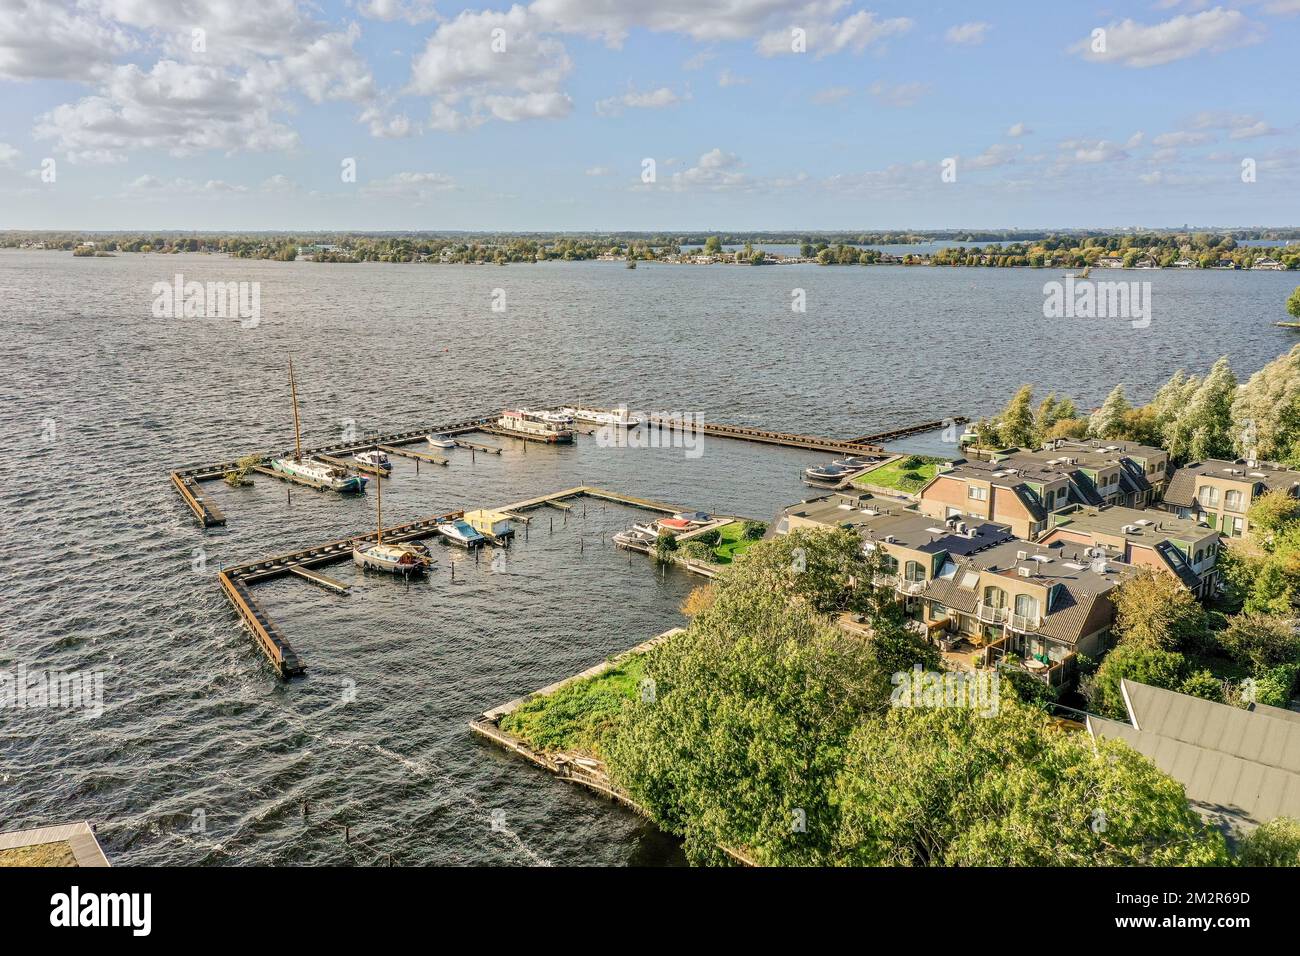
905	586
1024	623
884	580
991	615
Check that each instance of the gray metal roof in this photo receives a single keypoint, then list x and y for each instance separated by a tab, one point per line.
1239	767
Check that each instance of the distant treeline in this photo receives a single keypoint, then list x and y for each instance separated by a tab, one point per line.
1074	248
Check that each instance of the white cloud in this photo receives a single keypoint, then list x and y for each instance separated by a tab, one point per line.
412	11
1183	138
832	94
659	99
174	107
1236	125
612	20
969	34
1089	151
856	32
416	188
1139	45
40	40
470	82
898	94
149	185
726	78
999	154
1016	130
7	155
597	171
715	170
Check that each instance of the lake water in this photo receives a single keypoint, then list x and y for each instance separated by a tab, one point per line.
104	568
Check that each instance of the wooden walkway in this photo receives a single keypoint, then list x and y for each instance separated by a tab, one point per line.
186	478
417	455
788	439
912	430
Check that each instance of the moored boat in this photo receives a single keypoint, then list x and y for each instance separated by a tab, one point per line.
831	472
459	532
312	470
527	424
442	441
618	416
405	558
375	459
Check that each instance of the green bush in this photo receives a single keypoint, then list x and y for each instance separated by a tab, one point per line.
753	530
697	550
710	537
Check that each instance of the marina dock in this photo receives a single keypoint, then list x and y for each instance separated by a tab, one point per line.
788	439
186	479
428	456
912	430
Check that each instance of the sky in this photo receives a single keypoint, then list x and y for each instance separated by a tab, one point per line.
673	115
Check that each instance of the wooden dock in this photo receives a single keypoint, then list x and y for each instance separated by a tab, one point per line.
348	464
237	582
788	439
522	436
186	478
292	479
428	456
207	513
588	491
476	446
912	430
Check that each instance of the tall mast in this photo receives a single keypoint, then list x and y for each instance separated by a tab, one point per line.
297	433
379	501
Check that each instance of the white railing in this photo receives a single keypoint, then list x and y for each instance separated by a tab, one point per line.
911	587
1024	623
991	615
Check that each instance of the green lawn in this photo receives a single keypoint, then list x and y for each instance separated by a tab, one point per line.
893	475
579	716
731	543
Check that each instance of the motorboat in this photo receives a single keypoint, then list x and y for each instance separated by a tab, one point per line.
375	459
459	532
618	416
442	441
831	472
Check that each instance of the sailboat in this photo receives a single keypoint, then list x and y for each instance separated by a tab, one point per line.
405	559
320	472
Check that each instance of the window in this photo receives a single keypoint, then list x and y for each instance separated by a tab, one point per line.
1232	500
995	597
888	564
1237	527
1027	606
1200	555
1208	496
978	494
914	571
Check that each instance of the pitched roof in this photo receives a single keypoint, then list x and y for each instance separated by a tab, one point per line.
1239	767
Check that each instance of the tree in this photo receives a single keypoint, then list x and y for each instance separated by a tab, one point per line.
1261	639
1206	422
1275	843
713	246
1293	303
1154	610
827	569
1108	420
742	741
1272	513
949	787
1266	411
1016	426
1158	668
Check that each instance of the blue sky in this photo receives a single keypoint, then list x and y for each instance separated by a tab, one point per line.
231	114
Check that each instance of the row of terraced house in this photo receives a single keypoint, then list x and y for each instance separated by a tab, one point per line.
1015	556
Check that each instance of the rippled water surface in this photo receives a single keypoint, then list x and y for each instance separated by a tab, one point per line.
104	568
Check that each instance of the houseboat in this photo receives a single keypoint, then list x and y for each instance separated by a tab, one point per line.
618	416
313	470
528	424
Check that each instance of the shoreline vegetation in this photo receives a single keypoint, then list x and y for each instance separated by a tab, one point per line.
1241	249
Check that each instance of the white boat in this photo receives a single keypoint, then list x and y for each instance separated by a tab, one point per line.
394	558
562	417
442	441
618	416
527	424
459	532
328	476
375	459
